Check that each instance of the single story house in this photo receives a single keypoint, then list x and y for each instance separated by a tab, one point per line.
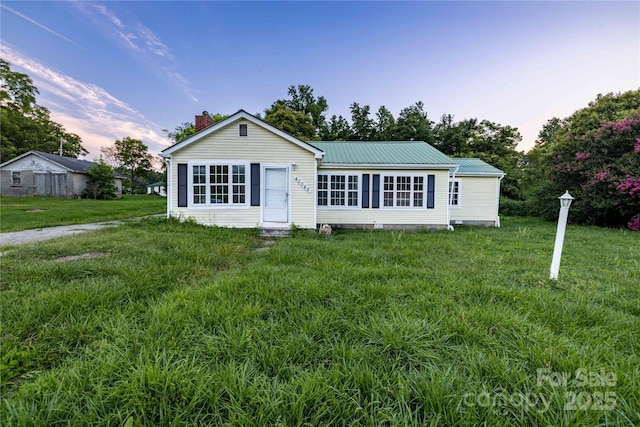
243	172
36	173
157	188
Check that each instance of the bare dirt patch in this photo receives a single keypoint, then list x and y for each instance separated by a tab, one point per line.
89	255
36	210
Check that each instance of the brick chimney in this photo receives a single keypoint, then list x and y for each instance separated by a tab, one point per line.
203	121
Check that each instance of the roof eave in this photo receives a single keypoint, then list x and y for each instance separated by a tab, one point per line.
482	174
241	114
35	153
387	166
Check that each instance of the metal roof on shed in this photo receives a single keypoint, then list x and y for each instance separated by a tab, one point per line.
473	166
381	153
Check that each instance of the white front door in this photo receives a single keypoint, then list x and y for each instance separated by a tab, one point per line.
276	195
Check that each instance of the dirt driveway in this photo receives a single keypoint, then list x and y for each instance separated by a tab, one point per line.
40	234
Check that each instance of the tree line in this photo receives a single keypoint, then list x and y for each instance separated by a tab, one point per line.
594	153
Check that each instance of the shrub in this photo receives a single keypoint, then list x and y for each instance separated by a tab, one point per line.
511	207
101	185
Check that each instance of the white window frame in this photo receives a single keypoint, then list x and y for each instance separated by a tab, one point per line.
453	183
347	191
230	184
412	191
16	182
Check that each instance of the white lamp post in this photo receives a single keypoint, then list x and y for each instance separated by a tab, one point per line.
565	202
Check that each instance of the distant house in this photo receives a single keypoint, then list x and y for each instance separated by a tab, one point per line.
243	172
43	174
157	188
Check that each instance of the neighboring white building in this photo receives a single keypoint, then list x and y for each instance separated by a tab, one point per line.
157	188
243	172
36	173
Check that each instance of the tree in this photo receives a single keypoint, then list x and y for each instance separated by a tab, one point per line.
595	155
413	124
337	129
450	137
303	100
362	126
133	155
295	123
17	91
27	126
101	186
182	132
385	128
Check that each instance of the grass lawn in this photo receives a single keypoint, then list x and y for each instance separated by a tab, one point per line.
178	324
23	213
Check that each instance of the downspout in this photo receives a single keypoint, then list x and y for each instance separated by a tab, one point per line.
167	162
451	178
498	201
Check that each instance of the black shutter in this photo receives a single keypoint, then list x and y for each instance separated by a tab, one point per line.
182	185
375	202
255	184
365	190
431	190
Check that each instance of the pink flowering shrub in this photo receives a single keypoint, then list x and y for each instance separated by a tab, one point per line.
634	224
602	170
630	186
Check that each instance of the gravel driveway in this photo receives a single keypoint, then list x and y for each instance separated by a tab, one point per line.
39	234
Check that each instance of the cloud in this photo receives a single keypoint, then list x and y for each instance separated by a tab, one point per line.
179	78
87	109
15	12
153	43
137	37
106	13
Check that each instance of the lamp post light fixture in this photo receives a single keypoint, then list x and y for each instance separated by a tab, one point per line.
565	202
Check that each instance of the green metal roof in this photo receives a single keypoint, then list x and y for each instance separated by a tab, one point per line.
381	153
473	166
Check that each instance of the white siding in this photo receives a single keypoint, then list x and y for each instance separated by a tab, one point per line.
391	216
478	200
260	146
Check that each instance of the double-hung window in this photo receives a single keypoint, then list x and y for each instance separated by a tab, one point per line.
338	190
219	184
403	191
454	193
16	179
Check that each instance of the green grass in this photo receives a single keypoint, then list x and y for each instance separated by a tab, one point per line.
23	213
186	325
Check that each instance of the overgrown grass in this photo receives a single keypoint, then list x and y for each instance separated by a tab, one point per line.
23	213
185	325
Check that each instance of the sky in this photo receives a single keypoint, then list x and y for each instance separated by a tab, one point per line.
111	69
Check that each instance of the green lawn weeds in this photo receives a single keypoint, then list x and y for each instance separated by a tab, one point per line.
179	324
23	213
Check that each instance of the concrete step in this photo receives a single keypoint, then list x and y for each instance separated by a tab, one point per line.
275	232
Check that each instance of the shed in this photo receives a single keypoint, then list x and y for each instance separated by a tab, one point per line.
37	173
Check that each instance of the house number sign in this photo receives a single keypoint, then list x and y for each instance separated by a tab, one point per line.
302	184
